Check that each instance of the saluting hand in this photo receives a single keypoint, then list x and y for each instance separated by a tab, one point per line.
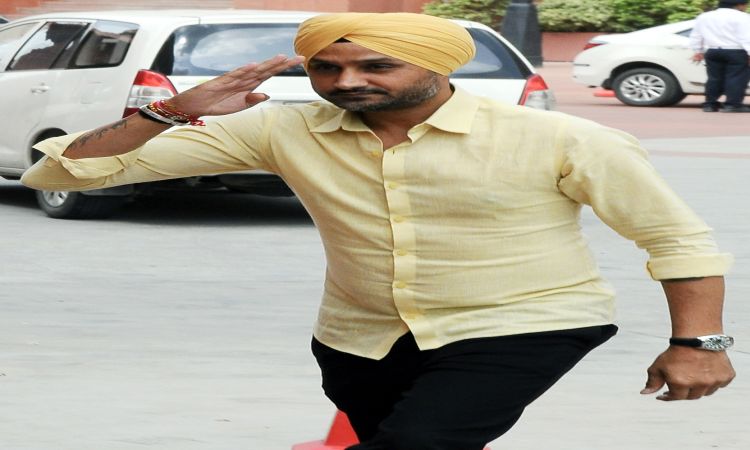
234	91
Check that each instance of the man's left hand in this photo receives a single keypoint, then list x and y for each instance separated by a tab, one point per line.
689	373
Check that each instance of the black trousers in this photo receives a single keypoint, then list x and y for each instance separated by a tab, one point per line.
728	74
457	397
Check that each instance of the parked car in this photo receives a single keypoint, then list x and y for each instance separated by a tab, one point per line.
61	73
650	67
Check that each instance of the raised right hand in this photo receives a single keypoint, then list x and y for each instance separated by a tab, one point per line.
232	92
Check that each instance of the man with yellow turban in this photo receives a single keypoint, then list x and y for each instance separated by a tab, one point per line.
459	286
425	41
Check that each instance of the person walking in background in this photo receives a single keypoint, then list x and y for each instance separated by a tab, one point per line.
722	38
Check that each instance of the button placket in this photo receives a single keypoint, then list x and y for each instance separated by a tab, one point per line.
370	144
403	232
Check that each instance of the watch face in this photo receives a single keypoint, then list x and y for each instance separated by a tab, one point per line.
717	342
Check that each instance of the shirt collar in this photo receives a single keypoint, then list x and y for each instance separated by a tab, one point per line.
457	114
343	120
454	116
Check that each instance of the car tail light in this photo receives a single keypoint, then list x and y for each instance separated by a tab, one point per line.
148	87
536	93
592	45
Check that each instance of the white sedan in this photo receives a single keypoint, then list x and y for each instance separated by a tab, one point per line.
650	67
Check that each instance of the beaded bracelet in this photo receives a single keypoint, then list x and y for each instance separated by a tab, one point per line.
160	111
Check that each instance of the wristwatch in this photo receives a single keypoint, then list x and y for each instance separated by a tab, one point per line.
713	342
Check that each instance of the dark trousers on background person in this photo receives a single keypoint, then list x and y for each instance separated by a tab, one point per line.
457	397
728	73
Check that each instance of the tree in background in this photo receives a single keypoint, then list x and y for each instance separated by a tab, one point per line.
578	15
629	15
488	12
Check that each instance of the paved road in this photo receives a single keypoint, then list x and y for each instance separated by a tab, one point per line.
183	323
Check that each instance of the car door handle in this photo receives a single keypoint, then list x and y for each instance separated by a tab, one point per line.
40	89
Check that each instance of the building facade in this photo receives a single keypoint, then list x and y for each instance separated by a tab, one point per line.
13	9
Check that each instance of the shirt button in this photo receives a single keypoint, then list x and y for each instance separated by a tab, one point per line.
399	284
401	252
398	219
375	153
392	185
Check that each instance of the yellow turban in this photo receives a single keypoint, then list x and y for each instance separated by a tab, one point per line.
425	41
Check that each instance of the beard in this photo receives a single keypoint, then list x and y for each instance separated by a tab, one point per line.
373	99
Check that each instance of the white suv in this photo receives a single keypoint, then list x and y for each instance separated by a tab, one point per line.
68	72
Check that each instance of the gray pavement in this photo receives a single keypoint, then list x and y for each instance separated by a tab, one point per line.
183	323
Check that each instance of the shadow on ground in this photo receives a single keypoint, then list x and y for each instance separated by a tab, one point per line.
215	208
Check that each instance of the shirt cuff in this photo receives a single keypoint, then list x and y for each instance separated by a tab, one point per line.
674	267
84	168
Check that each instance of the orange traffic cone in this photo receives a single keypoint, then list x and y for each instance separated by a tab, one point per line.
604	93
340	436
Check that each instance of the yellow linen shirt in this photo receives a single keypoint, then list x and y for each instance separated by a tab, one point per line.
468	229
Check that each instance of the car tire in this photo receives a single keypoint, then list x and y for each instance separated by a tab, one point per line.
77	205
647	86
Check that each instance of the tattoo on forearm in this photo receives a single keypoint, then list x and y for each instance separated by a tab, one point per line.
97	133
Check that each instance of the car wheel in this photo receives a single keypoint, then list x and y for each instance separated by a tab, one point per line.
77	205
647	86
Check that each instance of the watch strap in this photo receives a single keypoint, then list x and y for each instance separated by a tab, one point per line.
712	342
685	342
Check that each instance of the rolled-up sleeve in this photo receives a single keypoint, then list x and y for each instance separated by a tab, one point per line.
608	170
232	143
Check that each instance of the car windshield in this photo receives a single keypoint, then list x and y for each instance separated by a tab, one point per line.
213	49
493	59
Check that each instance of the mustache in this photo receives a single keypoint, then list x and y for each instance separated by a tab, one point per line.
357	91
